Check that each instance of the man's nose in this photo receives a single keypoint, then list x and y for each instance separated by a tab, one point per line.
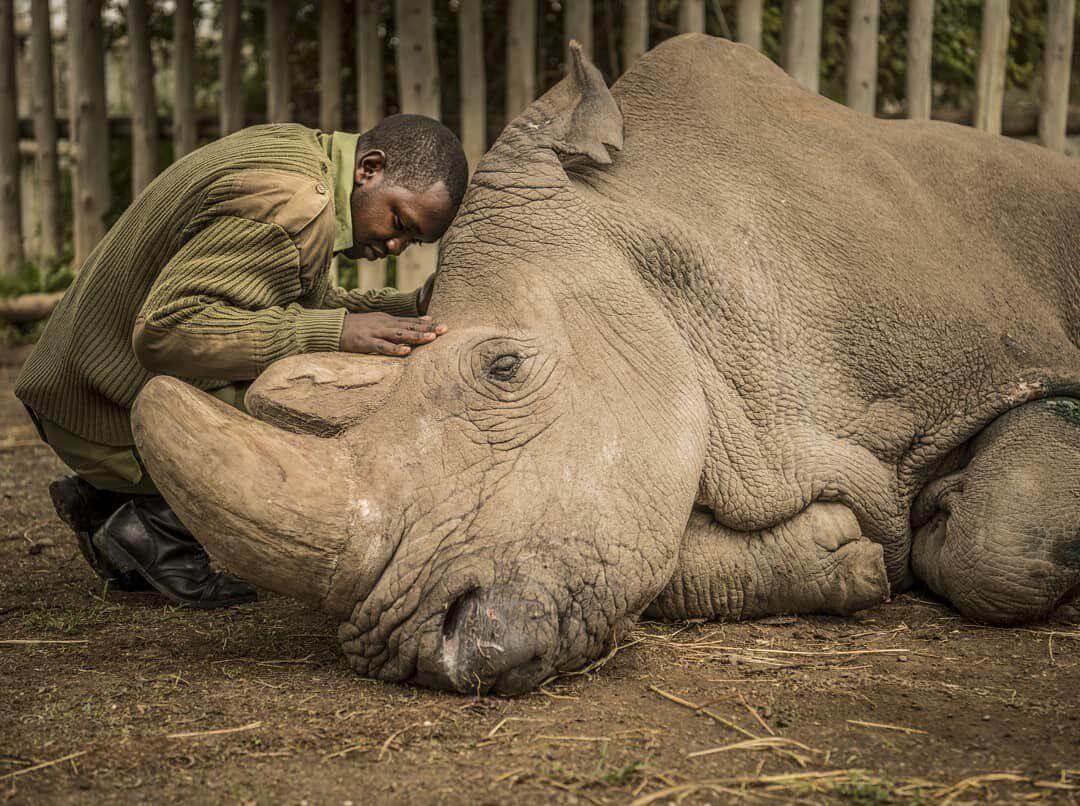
395	246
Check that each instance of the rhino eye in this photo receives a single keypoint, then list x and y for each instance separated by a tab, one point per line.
504	368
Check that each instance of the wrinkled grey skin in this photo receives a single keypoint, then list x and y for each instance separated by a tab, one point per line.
745	367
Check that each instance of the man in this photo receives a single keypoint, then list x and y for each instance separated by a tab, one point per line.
219	268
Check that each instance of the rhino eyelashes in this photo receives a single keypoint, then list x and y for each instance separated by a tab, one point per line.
504	368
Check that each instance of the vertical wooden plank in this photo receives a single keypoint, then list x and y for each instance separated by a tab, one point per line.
520	57
418	91
473	84
577	24
11	247
369	66
277	61
89	125
330	65
417	61
232	71
45	136
144	122
185	131
800	42
748	22
1057	58
370	108
993	53
862	56
692	16
635	31
920	88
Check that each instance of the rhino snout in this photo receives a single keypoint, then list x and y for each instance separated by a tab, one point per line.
494	640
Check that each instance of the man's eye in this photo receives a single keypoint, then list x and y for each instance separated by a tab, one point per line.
504	367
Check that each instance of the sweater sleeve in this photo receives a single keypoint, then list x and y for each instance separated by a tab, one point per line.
224	306
382	300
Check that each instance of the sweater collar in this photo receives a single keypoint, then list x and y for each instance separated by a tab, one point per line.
340	148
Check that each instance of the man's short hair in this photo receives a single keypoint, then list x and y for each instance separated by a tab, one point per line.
420	152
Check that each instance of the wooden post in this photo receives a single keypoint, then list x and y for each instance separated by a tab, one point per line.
277	61
801	42
45	137
920	88
232	71
993	54
473	82
370	108
1054	109
11	249
520	57
577	24
89	125
748	22
369	65
862	56
185	131
144	128
418	91
692	16
635	31
330	65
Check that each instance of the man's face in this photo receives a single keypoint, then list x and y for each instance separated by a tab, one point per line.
388	217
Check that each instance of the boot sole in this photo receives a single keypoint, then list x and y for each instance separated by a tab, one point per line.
122	579
119	556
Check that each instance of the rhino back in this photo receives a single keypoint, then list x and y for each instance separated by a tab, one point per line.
886	287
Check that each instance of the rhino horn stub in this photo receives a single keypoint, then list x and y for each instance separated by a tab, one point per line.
322	393
274	507
578	117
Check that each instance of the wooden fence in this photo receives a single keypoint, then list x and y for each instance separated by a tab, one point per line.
86	153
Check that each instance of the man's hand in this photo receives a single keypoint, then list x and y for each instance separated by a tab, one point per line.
383	334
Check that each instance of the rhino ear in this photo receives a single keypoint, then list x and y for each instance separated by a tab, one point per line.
578	116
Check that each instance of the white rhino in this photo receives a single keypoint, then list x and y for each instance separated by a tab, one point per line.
718	348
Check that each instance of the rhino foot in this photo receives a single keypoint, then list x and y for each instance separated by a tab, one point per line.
817	562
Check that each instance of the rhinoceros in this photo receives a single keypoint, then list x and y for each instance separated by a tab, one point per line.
718	348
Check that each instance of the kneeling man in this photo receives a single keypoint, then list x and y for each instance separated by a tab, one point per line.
218	269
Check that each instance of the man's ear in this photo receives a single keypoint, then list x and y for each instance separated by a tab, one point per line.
370	164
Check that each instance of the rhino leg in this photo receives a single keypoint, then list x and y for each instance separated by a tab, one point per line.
1002	539
817	562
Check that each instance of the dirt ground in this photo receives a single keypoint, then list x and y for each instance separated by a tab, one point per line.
108	697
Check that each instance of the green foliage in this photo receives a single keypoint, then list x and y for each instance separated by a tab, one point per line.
34	277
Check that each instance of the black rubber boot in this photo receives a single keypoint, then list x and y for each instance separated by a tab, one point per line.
84	508
145	535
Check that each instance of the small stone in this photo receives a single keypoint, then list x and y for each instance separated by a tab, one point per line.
902	658
986	717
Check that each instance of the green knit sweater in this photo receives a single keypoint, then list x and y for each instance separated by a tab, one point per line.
218	269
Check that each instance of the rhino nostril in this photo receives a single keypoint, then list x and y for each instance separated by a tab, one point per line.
458	613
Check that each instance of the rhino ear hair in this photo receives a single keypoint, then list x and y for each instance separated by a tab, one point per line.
583	117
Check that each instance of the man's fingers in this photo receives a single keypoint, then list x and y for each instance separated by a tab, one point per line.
381	347
404	336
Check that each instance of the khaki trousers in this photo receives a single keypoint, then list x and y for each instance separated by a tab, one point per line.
118	468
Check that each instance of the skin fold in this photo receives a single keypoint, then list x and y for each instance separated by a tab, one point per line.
711	339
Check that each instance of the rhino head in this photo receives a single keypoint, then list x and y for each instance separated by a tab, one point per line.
503	504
